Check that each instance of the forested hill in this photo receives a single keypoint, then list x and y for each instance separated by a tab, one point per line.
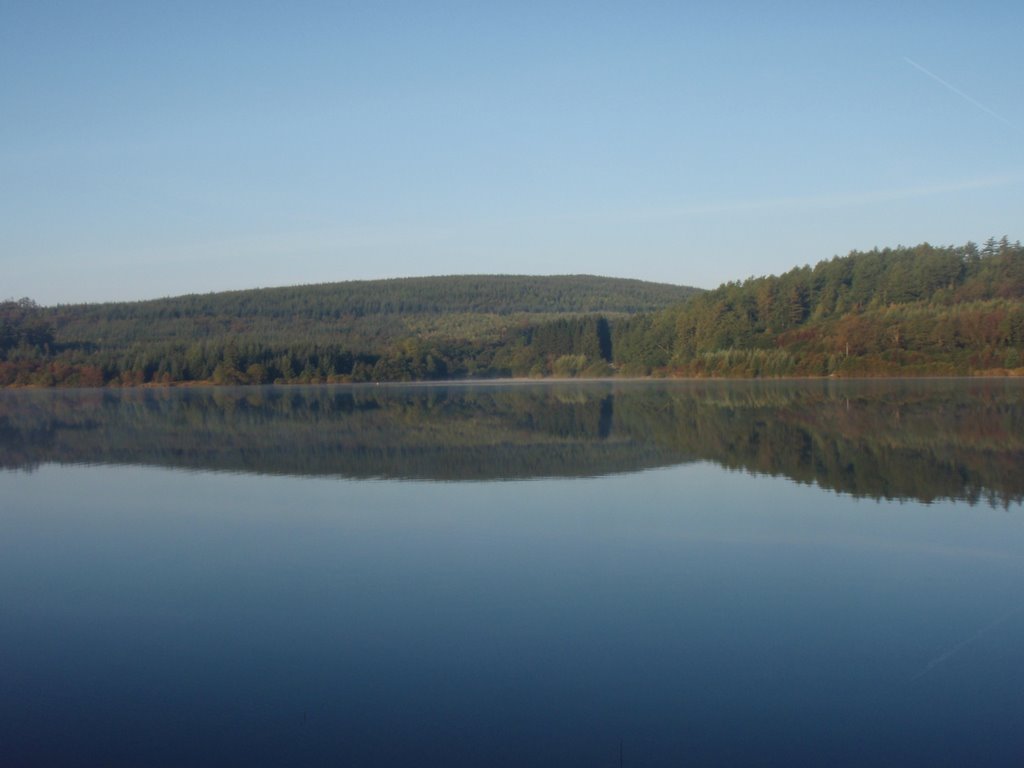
923	310
485	294
406	328
362	314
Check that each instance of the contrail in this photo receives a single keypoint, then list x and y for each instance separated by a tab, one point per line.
944	656
958	92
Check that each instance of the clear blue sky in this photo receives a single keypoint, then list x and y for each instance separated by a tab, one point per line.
150	149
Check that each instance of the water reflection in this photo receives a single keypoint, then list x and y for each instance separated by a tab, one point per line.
920	440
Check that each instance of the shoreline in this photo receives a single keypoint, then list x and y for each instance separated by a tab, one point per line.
527	381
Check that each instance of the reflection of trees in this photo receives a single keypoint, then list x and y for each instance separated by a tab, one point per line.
423	432
887	439
891	439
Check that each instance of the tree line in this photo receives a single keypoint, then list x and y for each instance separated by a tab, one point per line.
921	310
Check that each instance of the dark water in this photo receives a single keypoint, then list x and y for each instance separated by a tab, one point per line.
682	574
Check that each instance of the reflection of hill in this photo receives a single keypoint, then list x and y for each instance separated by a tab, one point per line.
892	439
435	433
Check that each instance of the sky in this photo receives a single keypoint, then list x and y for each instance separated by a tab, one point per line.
154	149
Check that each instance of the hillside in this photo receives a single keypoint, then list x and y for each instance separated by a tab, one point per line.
923	310
918	311
428	327
362	308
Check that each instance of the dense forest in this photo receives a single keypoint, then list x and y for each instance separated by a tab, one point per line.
379	330
923	310
905	311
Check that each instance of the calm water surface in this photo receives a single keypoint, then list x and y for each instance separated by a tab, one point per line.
681	574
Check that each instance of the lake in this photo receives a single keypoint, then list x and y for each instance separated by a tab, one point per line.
605	574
